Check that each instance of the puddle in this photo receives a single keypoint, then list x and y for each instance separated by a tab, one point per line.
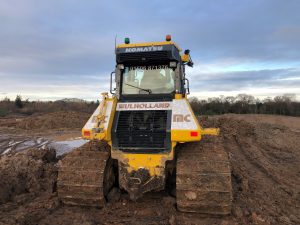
61	147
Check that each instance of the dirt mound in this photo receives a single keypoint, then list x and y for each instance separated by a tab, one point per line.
54	120
31	171
28	180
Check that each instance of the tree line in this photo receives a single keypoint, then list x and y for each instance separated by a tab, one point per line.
240	104
247	104
26	107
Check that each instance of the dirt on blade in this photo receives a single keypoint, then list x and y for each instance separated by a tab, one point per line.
264	157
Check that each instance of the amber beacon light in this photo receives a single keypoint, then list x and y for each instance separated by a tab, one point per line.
168	37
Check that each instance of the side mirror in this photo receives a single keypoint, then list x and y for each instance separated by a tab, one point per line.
187	86
111	89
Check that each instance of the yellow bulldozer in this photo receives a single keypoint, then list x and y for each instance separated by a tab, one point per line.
137	133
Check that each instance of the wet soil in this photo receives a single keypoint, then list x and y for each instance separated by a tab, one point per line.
59	129
264	153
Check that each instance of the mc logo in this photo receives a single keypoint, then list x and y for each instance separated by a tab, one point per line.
181	118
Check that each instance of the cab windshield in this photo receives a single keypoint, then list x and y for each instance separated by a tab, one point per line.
158	79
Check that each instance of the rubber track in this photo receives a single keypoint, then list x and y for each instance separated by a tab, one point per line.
203	179
81	175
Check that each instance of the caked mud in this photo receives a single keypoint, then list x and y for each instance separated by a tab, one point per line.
264	156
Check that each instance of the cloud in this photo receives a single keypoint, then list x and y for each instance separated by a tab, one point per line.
260	83
242	80
237	45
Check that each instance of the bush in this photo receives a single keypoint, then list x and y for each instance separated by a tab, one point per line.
3	112
18	101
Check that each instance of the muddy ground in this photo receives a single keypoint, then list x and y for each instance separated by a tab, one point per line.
59	130
264	152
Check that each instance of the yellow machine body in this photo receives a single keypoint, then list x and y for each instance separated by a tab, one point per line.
185	127
99	127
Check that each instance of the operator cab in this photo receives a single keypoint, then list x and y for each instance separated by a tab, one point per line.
152	70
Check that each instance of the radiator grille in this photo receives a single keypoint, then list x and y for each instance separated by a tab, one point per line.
142	129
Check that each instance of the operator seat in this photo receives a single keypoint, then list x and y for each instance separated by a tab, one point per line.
152	79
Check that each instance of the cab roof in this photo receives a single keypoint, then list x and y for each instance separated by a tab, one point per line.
145	44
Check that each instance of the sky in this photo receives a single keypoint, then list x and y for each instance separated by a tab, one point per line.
65	49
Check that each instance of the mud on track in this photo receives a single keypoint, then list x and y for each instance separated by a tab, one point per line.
264	152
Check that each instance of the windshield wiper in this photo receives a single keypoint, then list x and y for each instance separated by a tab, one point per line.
147	90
